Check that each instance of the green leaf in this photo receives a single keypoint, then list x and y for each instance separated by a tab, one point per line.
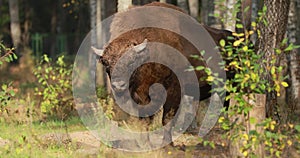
239	26
273	70
195	56
199	68
289	48
15	56
264	9
253	86
253	120
12	93
284	41
265	22
297	127
222	43
4	87
202	52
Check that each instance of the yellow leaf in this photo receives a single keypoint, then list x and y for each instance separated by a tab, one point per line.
247	62
289	142
245	153
273	70
284	84
254	139
253	76
245	136
238	42
233	63
221	119
210	78
291	125
245	48
238	34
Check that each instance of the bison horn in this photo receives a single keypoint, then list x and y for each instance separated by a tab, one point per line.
140	47
98	51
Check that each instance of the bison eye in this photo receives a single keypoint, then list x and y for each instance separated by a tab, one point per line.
104	62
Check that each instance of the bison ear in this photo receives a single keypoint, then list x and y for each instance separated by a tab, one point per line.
140	47
99	52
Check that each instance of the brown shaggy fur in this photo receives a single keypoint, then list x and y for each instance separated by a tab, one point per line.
151	73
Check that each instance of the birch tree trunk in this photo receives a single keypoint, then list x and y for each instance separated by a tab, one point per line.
230	15
194	8
15	23
123	5
271	37
298	50
293	63
96	35
100	77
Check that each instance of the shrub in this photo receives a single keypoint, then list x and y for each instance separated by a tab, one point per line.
55	87
6	90
245	63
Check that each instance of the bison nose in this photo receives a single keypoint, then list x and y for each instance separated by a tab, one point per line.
119	86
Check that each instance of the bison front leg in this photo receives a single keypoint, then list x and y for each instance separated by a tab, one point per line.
179	122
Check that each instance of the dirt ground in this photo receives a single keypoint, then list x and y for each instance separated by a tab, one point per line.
187	145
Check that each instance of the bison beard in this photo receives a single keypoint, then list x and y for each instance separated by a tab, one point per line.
151	73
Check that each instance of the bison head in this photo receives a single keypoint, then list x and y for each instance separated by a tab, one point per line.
120	63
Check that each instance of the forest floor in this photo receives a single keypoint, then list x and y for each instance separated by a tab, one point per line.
51	140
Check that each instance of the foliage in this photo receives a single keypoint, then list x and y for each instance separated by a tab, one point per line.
6	91
55	86
244	68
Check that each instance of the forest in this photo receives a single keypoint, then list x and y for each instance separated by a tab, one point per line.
77	78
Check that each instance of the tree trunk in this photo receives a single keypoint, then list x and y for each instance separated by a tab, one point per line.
194	8
293	63
258	113
53	30
27	24
96	35
245	16
15	23
271	37
100	77
183	4
123	5
229	21
298	50
163	1
207	10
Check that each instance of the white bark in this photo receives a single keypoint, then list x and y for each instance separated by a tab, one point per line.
96	35
93	11
194	8
123	5
230	15
292	57
15	22
163	1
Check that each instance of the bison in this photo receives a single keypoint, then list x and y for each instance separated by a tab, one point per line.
135	42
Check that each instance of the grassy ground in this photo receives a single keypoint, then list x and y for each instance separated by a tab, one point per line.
24	140
50	139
